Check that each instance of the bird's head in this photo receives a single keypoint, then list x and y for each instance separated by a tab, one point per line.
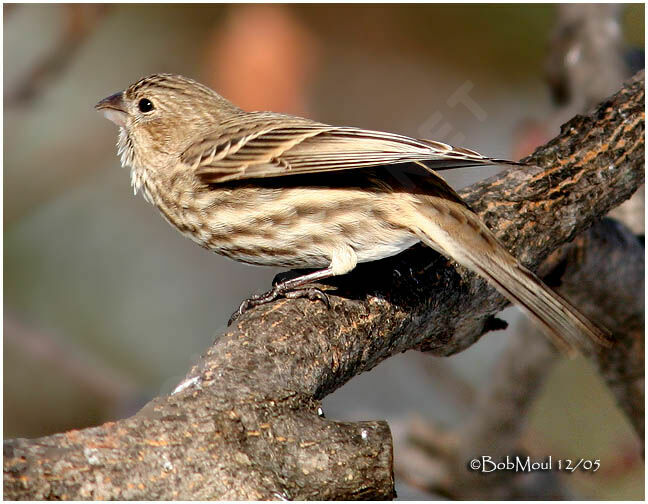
160	115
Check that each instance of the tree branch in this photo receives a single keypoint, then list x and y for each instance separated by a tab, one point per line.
244	424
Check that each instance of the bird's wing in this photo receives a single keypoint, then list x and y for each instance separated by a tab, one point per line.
262	145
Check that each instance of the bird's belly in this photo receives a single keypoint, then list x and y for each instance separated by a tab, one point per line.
311	243
294	228
381	250
310	249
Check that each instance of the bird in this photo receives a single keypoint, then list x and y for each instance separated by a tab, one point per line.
272	189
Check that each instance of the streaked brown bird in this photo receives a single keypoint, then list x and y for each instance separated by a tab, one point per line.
277	190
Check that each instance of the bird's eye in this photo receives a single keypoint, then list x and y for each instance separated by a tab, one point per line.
145	105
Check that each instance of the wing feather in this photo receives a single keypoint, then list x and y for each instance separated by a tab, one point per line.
258	145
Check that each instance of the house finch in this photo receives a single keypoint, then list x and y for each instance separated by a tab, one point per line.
277	190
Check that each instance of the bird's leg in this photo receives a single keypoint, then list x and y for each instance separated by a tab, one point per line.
289	275
290	289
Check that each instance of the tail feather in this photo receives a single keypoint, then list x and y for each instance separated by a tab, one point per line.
460	235
559	319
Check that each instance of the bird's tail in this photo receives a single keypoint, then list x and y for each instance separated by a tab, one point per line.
456	232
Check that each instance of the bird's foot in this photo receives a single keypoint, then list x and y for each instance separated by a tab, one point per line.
279	291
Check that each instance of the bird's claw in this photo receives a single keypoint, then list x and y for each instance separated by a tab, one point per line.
311	293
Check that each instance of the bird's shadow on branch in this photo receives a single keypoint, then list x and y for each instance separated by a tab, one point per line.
417	277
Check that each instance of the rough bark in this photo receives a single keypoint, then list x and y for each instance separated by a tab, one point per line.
245	423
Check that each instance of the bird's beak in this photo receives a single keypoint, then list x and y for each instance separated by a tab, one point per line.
114	109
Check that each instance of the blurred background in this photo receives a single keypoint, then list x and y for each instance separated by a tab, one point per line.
106	306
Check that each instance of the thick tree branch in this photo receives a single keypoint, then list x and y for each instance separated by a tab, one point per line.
245	424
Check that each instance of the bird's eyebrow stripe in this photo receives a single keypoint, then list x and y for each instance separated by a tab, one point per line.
159	83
